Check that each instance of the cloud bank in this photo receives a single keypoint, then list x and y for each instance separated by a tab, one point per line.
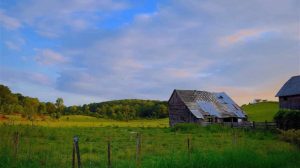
248	49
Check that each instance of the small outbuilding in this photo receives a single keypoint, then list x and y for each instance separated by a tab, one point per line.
289	94
192	106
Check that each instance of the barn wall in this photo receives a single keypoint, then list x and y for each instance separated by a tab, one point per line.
178	112
290	102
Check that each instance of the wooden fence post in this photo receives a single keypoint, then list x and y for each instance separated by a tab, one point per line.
138	149
266	124
108	154
16	144
73	156
76	151
188	144
253	124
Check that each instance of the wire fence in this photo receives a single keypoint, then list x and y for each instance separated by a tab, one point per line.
254	125
83	152
109	151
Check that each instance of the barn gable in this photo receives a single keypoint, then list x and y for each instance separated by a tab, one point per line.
289	94
290	88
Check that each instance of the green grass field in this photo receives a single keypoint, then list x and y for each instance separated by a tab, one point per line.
48	143
261	111
212	146
84	121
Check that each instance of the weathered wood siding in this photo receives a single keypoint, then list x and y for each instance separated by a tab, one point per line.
290	102
178	112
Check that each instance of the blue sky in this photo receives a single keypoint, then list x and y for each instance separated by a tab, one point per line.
91	51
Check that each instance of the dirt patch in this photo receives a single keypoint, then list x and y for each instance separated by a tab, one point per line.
3	117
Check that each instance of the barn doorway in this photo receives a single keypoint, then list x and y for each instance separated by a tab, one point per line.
230	119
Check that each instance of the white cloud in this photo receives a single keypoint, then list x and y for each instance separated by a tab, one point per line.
49	57
9	75
54	18
243	35
9	22
12	45
15	43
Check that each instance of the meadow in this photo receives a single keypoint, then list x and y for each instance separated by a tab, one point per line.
212	146
45	142
83	121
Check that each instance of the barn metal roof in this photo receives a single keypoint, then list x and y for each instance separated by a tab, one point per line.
202	103
291	87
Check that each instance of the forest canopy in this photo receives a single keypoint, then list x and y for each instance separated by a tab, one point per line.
11	103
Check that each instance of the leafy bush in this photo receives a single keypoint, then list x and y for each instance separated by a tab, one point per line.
288	119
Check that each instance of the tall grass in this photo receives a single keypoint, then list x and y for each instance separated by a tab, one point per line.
213	146
229	158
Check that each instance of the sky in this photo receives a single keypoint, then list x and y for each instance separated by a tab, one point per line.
92	51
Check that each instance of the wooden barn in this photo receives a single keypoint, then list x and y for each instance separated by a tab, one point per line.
194	106
289	94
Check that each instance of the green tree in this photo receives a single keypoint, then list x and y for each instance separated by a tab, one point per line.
73	110
30	107
86	109
42	109
59	104
50	108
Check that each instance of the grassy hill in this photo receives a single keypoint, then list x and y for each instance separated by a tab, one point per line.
261	111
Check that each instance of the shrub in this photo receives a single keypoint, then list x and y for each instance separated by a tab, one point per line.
288	119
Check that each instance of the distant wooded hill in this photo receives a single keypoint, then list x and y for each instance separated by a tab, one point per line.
123	109
117	109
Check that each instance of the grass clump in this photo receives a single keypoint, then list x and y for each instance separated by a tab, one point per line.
292	136
185	127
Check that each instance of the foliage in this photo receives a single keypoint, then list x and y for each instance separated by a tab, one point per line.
262	111
288	119
27	106
119	109
127	109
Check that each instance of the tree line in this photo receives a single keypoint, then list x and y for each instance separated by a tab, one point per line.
118	109
122	109
27	106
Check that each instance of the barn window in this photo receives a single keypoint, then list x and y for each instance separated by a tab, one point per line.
220	97
285	98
